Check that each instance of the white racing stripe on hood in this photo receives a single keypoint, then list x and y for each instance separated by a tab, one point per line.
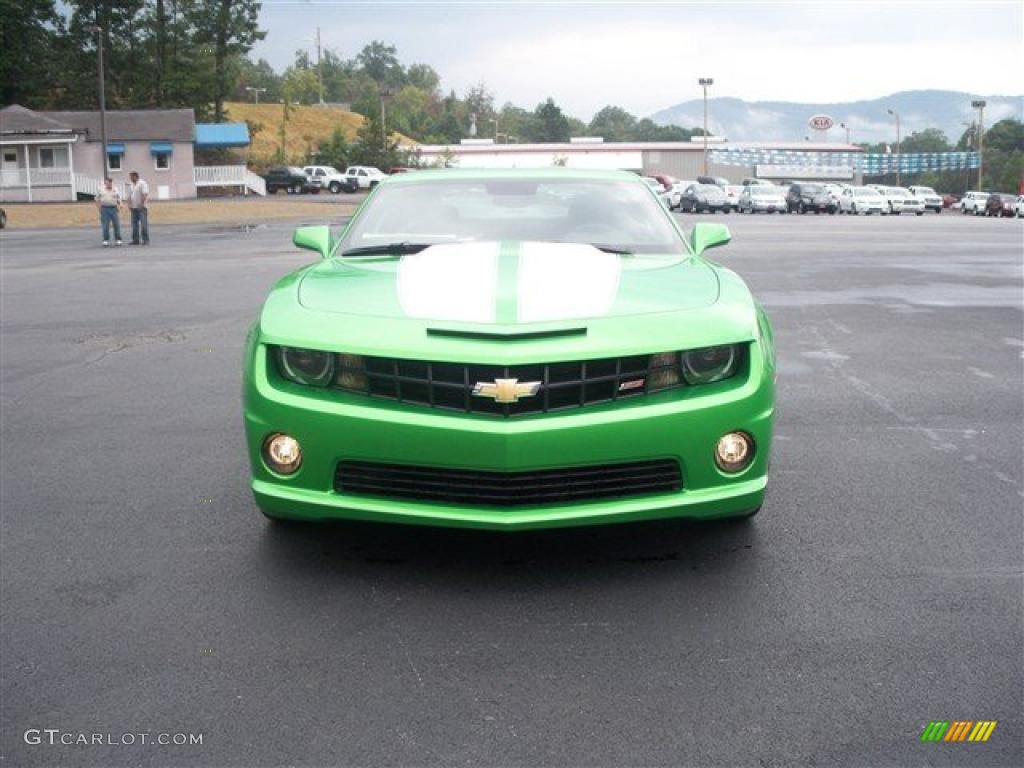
450	281
562	281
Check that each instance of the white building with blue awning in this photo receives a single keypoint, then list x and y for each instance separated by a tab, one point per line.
58	155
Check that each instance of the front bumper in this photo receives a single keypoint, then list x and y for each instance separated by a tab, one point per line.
682	424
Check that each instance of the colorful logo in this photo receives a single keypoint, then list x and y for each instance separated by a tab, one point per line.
958	730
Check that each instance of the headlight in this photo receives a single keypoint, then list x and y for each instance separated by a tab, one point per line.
306	366
703	366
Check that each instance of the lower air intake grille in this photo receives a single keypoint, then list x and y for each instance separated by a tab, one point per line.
508	489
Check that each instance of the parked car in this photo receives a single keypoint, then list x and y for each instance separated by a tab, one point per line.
733	192
751	180
697	198
900	200
352	411
3	218
974	202
718	181
1018	207
1000	205
856	200
760	197
927	195
289	178
665	180
809	197
330	178
364	176
835	191
951	201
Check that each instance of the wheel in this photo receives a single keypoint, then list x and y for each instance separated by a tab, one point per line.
335	187
920	213
373	184
802	208
296	189
853	209
727	210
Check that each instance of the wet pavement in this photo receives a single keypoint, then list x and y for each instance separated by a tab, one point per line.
879	589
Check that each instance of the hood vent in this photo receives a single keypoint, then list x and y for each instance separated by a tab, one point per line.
513	336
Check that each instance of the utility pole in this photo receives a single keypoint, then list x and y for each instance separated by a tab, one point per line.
319	69
979	104
846	128
103	100
705	83
896	114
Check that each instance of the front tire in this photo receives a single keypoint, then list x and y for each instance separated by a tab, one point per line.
334	187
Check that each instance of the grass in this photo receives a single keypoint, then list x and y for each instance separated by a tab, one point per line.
307	127
217	210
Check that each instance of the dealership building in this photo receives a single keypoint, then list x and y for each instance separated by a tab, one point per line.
682	159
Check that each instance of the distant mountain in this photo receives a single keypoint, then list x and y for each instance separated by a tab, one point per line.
869	122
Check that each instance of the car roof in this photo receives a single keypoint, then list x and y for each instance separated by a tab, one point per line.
446	174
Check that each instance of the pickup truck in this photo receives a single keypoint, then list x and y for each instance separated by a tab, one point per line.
331	179
366	176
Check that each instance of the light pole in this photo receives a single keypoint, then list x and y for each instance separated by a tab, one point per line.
705	83
846	128
896	114
103	100
979	104
255	92
496	121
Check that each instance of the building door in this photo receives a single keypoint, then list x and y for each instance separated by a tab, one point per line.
9	176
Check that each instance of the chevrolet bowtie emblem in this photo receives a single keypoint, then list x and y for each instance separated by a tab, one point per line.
506	390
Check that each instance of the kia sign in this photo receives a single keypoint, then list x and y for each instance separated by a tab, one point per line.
821	122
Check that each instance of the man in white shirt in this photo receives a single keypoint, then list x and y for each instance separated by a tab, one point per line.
108	200
137	202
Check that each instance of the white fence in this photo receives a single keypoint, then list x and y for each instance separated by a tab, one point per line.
88	186
229	176
35	177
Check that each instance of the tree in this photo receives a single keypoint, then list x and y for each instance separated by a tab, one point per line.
372	147
613	124
335	151
28	42
229	28
552	125
301	86
928	140
380	62
423	77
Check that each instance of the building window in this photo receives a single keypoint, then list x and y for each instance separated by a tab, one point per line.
162	160
53	157
113	162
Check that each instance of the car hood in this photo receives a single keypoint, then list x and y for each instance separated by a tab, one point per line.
504	283
453	300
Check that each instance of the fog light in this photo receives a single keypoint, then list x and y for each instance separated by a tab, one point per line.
282	453
734	451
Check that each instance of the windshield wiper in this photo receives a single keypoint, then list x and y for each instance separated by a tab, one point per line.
387	249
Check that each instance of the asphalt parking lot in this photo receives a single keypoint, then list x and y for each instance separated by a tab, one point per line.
880	588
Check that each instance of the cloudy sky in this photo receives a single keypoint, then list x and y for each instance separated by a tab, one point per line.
648	55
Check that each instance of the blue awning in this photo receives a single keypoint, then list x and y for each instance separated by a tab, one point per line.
221	135
159	147
115	148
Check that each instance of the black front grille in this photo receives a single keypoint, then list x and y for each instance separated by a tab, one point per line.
508	489
559	385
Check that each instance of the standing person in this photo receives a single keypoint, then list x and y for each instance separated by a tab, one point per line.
108	200
137	202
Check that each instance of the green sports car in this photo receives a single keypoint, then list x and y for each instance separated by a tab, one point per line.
510	349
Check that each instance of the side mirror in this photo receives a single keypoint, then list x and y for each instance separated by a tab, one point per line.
708	235
316	238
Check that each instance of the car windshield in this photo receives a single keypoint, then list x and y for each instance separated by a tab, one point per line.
763	192
811	189
925	191
867	192
619	215
709	189
899	191
295	171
